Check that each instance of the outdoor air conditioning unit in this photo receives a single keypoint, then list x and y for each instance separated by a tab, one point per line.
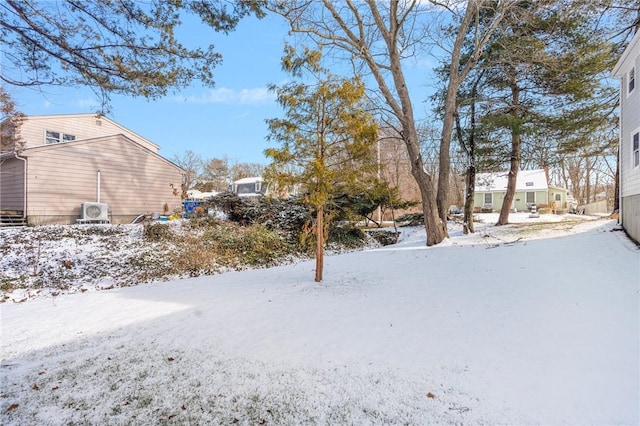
95	211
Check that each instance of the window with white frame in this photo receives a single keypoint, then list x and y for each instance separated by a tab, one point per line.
635	149
631	82
57	137
531	197
488	198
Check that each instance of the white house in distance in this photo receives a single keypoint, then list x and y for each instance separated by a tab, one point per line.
249	187
628	71
532	187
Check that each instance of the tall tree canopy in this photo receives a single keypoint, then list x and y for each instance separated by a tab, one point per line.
378	37
540	86
113	46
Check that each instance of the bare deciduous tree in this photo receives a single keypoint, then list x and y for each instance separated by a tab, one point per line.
480	19
216	174
378	37
10	119
242	170
192	164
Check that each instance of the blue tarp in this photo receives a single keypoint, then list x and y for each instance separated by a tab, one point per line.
190	207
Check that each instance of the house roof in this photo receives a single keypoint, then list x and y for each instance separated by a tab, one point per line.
253	179
527	180
102	117
199	195
617	70
55	146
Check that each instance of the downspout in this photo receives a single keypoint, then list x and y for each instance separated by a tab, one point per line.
24	185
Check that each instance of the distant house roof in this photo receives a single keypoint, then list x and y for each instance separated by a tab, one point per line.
527	180
199	195
253	179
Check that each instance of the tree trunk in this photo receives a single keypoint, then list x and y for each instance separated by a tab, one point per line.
436	229
470	189
444	160
319	244
456	76
503	219
468	201
588	180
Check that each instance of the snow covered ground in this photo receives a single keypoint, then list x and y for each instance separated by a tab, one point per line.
533	323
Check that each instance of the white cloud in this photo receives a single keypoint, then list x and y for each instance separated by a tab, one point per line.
225	95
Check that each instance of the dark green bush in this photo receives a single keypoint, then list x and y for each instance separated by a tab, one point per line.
236	208
347	236
385	238
288	215
411	219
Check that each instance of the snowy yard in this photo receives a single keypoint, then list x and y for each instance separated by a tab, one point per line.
533	323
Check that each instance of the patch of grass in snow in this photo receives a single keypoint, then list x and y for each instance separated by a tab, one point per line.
252	245
142	383
533	229
196	256
157	231
8	284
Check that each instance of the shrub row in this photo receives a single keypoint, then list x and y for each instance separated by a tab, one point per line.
249	232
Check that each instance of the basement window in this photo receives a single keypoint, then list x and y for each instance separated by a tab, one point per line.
57	137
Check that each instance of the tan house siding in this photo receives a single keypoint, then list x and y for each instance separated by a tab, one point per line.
82	126
133	180
12	184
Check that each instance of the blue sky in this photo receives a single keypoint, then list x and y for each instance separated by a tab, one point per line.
227	120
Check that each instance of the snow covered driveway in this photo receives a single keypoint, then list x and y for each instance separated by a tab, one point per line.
542	331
